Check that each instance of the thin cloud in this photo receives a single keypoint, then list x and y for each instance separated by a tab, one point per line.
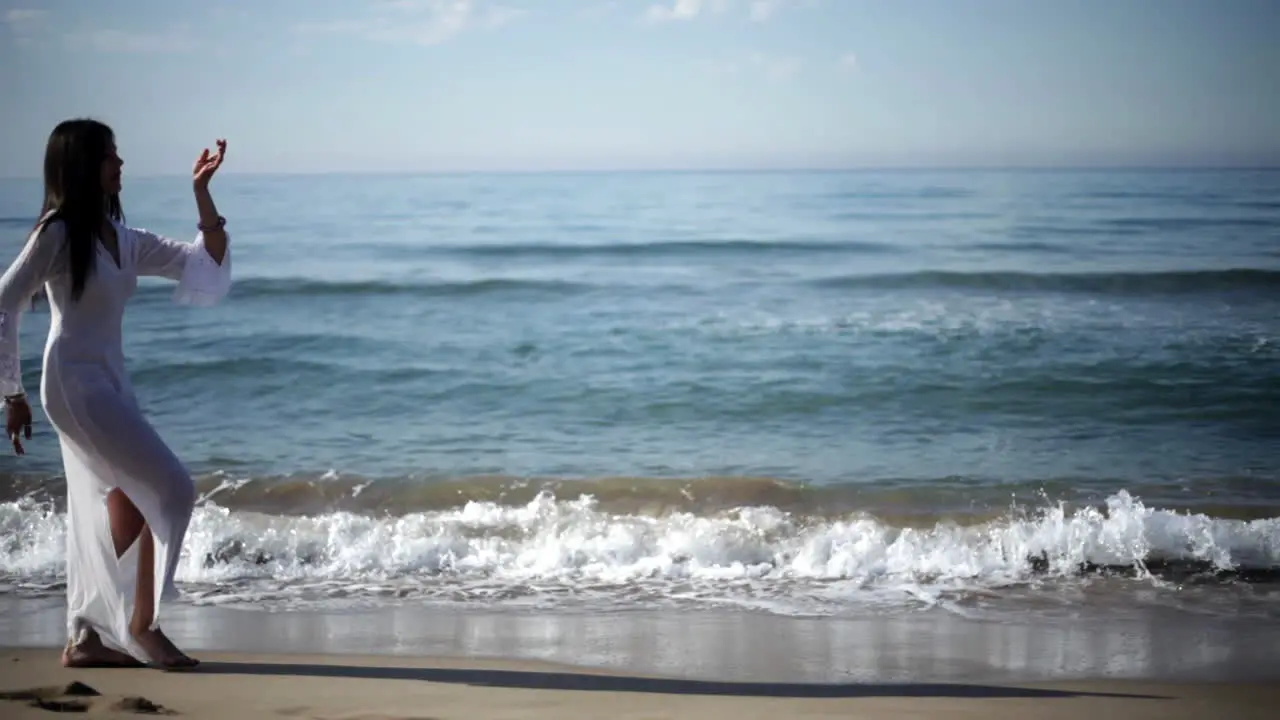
768	67
756	10
174	40
423	22
721	68
21	16
762	10
684	10
502	15
23	22
598	9
779	68
848	62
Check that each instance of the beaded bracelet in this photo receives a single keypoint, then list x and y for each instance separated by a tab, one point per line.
221	223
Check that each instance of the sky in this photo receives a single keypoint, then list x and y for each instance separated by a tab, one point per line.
306	86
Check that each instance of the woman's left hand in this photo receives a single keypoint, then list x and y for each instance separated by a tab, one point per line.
17	422
207	164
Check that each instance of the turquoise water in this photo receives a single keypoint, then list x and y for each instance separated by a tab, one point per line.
924	347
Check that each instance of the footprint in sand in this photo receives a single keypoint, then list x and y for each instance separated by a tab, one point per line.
77	697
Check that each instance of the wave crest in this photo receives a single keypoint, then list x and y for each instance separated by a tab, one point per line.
549	550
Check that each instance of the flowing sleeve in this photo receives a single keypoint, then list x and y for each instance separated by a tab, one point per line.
34	266
201	279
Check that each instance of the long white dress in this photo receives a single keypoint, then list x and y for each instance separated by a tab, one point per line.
105	440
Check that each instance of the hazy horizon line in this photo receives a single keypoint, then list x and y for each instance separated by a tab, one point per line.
1170	167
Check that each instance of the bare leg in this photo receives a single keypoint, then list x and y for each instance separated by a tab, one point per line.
127	522
161	649
126	525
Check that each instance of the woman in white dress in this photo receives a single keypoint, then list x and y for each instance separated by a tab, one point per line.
129	499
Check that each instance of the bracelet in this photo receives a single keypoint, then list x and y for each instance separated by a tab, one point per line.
220	224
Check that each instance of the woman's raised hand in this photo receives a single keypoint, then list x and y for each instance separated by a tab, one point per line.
207	164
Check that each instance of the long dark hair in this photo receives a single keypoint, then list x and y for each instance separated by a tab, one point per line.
73	192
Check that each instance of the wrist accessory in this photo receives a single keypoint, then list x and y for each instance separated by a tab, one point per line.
216	226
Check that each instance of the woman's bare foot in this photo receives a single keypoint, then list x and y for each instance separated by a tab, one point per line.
91	653
164	654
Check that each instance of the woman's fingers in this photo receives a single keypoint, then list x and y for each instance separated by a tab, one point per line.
209	162
17	424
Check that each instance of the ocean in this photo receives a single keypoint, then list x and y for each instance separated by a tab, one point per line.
819	394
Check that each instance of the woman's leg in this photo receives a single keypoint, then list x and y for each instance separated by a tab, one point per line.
126	526
152	639
126	521
117	448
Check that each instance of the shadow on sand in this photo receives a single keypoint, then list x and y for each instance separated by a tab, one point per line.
541	680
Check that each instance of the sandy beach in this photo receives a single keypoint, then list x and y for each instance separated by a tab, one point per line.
268	686
445	663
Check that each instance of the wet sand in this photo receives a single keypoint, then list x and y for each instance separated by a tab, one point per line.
416	662
261	686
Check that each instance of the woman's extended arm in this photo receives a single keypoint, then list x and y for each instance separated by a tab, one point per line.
215	237
34	265
211	224
203	277
202	268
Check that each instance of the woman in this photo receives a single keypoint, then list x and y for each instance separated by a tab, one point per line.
129	499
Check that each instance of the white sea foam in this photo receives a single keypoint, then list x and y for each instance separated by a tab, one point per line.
551	552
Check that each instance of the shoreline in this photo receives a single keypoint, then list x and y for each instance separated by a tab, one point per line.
733	645
449	662
417	688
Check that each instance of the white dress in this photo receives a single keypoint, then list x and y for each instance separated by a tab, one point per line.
106	442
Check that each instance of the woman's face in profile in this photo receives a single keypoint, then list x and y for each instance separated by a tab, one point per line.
112	171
